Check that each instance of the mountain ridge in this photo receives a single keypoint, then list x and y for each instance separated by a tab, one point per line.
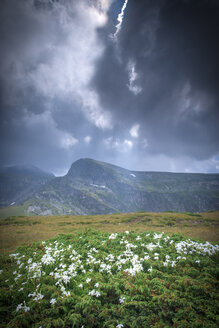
20	182
94	187
89	160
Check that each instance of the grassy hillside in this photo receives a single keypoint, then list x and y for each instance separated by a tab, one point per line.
16	230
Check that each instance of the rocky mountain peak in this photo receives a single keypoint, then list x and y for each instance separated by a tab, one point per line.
91	170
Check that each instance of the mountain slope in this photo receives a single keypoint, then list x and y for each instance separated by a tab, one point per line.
93	187
18	183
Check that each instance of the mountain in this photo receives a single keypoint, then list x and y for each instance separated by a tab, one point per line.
93	187
19	182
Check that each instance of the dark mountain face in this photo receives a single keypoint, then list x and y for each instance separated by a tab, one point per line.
92	187
20	182
89	170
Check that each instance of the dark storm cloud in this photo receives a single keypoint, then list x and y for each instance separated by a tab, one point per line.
48	112
173	48
141	92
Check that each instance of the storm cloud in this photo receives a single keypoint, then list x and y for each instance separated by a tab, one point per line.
135	83
167	75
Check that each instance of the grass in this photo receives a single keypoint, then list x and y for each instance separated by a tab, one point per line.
15	230
12	211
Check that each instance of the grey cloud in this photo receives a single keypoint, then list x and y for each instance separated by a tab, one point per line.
48	52
63	78
173	44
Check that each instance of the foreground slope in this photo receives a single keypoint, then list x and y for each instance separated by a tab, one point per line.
93	187
95	279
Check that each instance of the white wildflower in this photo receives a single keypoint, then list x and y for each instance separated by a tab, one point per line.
19	307
97	294
26	308
53	301
158	236
122	299
66	293
113	236
38	297
92	292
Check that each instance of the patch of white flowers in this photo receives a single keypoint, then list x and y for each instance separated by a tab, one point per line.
94	292
67	268
22	306
113	236
190	247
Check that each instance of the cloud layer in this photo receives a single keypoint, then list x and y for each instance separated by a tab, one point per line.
135	83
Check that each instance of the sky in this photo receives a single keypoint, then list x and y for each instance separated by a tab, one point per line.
134	83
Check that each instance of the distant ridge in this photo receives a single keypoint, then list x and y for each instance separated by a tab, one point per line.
94	187
20	182
24	169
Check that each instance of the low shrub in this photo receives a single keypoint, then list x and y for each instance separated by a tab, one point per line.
96	279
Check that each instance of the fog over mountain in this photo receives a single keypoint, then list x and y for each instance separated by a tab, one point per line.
133	83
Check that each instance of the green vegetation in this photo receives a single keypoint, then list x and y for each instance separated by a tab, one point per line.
113	280
193	214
